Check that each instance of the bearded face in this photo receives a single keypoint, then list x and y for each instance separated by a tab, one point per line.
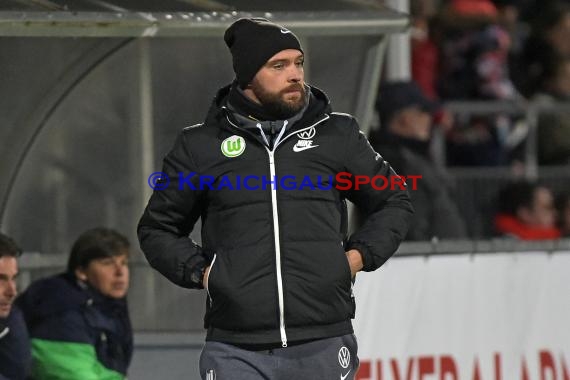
284	103
279	86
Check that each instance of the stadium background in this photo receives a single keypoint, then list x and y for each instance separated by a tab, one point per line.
93	93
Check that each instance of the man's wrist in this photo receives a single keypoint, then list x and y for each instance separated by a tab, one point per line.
355	261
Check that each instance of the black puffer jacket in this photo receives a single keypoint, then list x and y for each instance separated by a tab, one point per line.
279	270
436	213
15	347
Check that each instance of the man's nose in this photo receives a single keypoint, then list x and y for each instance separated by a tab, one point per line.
296	74
11	289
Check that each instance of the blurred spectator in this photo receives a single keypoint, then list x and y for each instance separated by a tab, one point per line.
424	51
549	41
474	52
563	208
553	128
474	66
508	16
15	355
425	56
78	320
526	211
403	140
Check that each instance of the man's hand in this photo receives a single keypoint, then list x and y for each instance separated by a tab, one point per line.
355	261
204	278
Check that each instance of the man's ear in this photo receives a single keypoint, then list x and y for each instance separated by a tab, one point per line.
80	274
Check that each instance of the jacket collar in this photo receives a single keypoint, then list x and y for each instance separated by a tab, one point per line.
318	105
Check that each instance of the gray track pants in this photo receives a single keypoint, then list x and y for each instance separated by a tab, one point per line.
325	359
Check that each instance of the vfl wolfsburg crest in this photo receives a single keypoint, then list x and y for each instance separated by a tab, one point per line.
233	146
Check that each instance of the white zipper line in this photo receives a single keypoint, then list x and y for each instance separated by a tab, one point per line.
277	251
208	279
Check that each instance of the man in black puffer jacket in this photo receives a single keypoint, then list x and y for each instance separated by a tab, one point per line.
262	172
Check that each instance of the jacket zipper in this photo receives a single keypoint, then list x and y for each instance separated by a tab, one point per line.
272	172
276	234
277	251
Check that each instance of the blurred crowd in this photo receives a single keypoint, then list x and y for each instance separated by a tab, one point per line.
496	50
502	51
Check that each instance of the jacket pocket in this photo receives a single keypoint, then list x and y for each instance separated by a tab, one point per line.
208	277
352	280
347	270
241	290
317	284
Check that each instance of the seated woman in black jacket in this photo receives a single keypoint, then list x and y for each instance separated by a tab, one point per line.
78	320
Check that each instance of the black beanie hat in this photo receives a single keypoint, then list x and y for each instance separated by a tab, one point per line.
252	41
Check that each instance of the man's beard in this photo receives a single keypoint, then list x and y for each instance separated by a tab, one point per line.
274	103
